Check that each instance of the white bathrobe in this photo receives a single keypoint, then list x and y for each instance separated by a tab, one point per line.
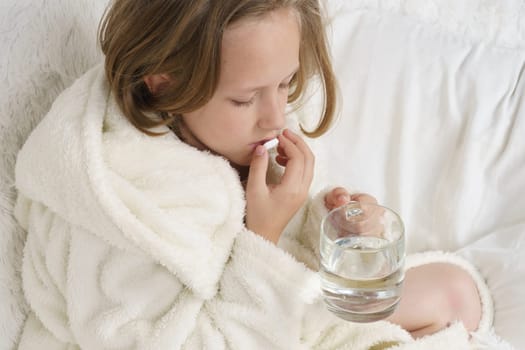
138	242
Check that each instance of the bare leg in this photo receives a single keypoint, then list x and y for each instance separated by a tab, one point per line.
434	296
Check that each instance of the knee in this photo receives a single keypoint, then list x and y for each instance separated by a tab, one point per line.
461	298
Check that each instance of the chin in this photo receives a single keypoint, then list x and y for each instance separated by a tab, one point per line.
244	163
240	163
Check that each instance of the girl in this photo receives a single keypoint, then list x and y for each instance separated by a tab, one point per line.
157	220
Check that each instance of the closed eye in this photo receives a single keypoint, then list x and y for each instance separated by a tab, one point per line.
243	103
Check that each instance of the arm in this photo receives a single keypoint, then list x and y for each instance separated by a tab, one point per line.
95	294
301	237
105	297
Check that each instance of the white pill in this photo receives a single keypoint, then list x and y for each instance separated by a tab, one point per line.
271	143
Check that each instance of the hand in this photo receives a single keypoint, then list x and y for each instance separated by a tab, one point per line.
340	196
367	224
269	208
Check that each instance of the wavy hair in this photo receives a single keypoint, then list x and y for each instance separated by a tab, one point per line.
183	38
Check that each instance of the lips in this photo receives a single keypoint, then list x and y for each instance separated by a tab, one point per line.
255	144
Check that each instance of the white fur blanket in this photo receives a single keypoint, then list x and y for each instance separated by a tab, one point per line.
47	44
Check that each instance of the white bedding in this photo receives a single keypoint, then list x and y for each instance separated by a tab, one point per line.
432	123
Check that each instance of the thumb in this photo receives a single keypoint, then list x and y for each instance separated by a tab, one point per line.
258	169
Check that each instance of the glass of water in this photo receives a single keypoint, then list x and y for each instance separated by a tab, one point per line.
362	261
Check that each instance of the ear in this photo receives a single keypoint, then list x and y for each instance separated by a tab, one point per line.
156	82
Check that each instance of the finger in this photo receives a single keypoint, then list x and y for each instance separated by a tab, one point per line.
341	196
293	173
368	223
258	169
367	227
280	151
281	160
281	157
309	158
361	225
373	210
364	198
336	198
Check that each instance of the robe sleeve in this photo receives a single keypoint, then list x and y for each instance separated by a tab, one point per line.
85	293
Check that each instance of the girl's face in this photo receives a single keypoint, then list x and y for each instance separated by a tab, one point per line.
259	58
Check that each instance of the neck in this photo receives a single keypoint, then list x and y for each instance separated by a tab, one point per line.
185	135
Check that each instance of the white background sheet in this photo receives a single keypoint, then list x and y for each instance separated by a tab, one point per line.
433	124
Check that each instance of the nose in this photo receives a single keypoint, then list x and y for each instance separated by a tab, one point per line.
271	113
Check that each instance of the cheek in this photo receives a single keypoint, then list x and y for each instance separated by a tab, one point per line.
221	120
237	119
284	99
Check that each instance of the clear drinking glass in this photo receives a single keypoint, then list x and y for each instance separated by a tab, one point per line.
362	261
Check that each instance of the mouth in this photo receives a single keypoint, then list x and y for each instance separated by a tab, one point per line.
262	142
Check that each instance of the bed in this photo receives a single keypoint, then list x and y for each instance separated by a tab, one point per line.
432	122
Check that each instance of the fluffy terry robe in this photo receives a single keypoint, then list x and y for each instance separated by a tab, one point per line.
138	242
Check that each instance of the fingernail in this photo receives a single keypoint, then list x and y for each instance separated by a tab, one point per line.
343	198
259	150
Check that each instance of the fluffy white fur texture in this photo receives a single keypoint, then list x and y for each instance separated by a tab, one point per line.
47	44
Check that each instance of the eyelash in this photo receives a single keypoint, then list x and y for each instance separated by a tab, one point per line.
250	102
243	104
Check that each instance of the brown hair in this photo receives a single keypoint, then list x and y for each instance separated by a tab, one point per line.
183	38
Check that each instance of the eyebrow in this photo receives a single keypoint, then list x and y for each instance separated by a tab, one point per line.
259	87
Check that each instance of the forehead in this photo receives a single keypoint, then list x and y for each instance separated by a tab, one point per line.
260	50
